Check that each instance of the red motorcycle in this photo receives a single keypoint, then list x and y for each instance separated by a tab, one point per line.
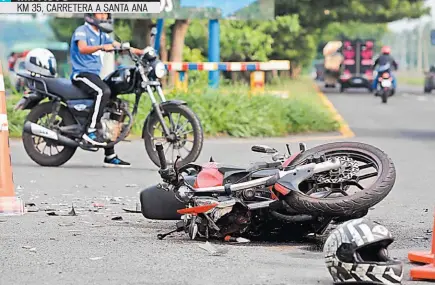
292	195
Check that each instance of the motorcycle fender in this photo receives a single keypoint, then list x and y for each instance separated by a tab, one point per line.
163	104
158	204
28	101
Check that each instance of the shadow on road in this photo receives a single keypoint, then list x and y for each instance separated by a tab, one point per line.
84	167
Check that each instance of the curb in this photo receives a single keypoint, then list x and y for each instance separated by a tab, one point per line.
345	130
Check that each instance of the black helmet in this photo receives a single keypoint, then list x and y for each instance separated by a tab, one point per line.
105	26
356	251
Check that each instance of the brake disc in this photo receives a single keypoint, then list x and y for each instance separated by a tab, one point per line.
347	170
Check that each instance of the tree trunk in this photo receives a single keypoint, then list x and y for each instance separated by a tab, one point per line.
179	30
141	32
295	71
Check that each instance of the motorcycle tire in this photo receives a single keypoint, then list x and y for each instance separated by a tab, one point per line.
63	156
352	205
384	97
197	134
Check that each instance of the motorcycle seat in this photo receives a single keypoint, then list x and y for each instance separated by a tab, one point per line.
64	88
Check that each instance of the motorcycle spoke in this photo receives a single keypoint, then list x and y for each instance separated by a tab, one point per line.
355	182
185	133
178	121
183	126
186	148
369	175
367	165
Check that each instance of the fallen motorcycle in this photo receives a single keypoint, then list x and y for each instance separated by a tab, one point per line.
53	128
303	192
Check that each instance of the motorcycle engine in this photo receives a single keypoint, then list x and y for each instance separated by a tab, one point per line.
110	128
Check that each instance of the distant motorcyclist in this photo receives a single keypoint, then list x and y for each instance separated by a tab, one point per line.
383	59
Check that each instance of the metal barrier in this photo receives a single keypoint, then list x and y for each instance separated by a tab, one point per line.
257	78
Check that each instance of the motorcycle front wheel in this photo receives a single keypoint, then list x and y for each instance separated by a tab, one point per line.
330	194
186	135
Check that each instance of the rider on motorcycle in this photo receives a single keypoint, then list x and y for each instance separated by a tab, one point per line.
87	44
383	59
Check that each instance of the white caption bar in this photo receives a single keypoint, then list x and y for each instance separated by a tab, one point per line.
79	7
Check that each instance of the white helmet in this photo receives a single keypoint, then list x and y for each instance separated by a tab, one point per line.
41	61
356	251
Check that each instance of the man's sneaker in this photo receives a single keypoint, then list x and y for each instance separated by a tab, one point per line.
94	139
115	162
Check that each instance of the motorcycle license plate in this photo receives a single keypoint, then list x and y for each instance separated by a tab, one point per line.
386	83
357	80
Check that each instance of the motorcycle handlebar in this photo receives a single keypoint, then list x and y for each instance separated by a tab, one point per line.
161	154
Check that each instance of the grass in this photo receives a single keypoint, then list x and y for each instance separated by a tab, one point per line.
232	111
407	78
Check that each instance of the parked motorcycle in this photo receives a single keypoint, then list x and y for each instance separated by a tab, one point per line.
61	121
301	193
384	87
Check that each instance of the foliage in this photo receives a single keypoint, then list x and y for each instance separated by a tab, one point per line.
241	41
299	30
231	111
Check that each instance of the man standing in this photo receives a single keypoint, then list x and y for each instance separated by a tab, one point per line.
87	44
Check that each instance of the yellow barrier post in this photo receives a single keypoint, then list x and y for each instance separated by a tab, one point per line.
257	82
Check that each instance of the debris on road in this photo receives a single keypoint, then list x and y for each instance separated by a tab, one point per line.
52	214
31	249
117	218
138	209
72	212
98	205
420	238
96	258
238	239
207	246
31	207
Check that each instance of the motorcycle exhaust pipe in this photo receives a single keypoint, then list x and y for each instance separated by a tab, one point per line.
41	131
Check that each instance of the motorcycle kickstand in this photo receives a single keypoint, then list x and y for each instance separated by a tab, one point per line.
178	229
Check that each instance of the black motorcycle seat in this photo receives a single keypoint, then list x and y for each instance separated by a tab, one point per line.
64	88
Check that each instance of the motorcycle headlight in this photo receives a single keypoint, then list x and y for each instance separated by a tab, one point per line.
159	69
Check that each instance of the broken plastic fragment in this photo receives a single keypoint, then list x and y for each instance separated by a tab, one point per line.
212	250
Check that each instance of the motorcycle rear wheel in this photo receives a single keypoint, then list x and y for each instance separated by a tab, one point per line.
30	141
384	97
352	205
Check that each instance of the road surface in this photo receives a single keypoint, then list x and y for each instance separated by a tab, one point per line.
91	248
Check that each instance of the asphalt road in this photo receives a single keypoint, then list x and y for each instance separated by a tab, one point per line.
91	248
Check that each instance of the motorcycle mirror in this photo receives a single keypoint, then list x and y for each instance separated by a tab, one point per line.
263	149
